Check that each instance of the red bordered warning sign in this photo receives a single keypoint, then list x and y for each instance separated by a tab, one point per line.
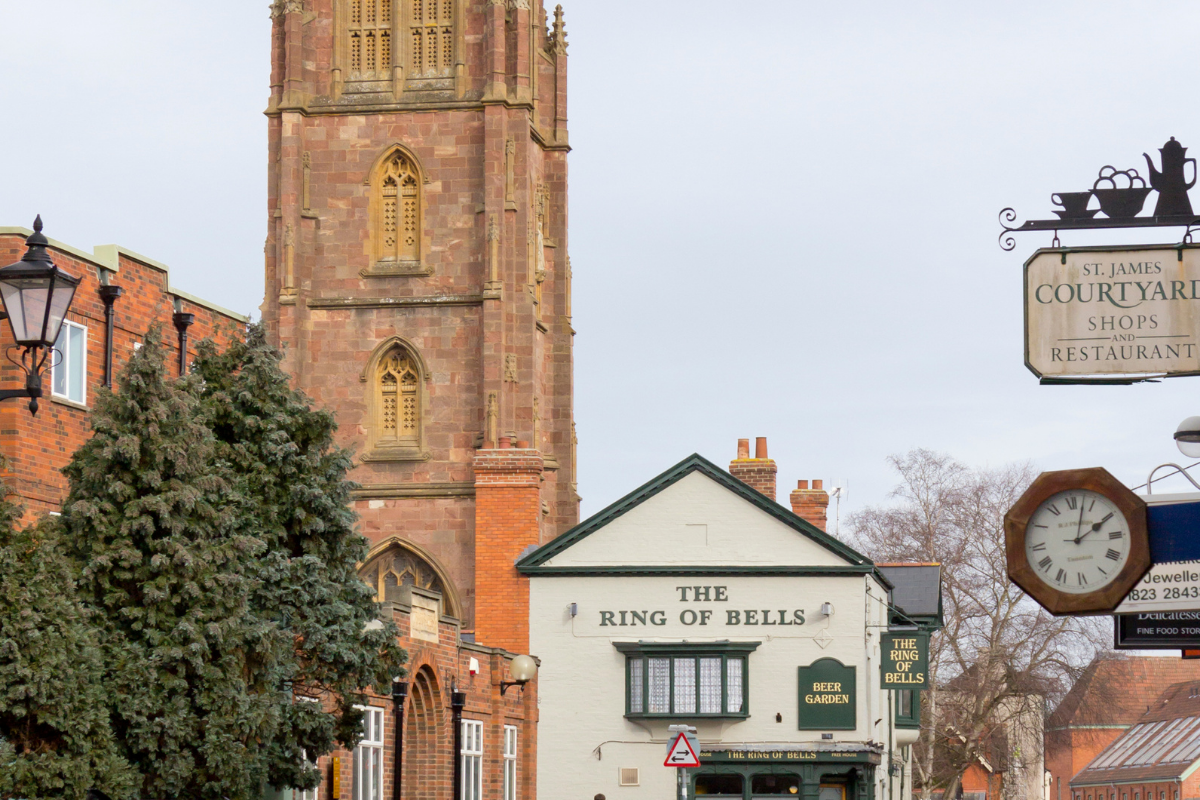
682	754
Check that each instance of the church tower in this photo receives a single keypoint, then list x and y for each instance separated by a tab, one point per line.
417	278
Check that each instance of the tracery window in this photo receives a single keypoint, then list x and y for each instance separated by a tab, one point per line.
369	26
431	39
398	222
399	400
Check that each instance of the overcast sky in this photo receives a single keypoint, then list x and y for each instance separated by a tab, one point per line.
783	214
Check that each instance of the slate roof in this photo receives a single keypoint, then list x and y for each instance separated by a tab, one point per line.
917	589
1164	744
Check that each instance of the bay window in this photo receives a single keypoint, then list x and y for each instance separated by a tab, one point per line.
686	679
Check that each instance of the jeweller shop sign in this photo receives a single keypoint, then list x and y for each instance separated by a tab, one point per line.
1105	312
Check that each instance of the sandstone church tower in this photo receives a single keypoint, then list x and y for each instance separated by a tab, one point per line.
417	277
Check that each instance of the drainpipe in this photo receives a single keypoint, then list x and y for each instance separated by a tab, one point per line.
399	695
457	701
108	295
183	321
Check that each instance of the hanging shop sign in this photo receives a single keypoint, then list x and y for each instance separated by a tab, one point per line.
905	663
1113	312
1166	630
827	696
1173	586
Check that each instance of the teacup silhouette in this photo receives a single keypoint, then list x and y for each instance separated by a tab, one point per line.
1074	205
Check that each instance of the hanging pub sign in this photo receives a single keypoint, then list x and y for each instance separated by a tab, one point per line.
1115	314
827	696
905	663
1106	312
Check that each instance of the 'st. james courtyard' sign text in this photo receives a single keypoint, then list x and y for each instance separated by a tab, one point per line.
1113	312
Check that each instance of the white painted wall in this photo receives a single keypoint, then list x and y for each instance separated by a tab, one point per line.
583	736
696	521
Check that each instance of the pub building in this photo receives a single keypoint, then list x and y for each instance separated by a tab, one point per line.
698	600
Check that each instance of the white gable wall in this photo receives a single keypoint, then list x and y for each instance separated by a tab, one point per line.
699	522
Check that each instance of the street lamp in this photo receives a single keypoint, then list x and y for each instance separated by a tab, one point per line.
36	296
523	669
1187	437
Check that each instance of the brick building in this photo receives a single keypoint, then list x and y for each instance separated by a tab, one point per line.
137	292
418	281
1106	701
1156	759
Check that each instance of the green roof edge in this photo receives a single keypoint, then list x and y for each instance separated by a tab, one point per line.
530	563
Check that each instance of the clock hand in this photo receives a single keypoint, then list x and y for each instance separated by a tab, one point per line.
1079	526
1094	528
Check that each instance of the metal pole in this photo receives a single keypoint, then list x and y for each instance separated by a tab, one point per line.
457	701
109	295
399	694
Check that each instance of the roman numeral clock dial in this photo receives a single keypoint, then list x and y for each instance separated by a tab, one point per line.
1076	541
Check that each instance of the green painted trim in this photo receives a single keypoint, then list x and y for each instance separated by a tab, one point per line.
686	648
639	569
913	720
693	463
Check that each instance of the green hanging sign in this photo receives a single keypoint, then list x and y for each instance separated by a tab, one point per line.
827	696
905	662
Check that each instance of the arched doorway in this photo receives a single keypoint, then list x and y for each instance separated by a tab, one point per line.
424	726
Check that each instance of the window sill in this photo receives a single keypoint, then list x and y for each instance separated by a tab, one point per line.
908	724
688	716
62	401
396	454
394	269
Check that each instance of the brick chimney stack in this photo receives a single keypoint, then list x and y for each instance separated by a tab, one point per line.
811	504
759	472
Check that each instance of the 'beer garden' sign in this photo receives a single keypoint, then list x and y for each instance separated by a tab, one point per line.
1105	312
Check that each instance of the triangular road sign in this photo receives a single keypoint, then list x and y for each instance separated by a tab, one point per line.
682	754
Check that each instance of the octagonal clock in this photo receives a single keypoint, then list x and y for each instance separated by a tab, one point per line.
1076	541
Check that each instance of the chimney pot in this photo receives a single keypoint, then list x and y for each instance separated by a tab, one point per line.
759	472
811	504
760	447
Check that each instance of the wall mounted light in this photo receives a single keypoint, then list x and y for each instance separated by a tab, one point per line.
522	669
827	609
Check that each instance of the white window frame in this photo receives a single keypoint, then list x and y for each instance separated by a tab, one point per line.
60	361
308	794
472	760
510	763
368	755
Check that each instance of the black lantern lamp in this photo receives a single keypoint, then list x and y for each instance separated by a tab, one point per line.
36	296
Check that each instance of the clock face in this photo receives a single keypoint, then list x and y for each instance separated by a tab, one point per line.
1077	541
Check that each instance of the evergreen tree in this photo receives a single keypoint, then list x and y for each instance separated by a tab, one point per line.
287	467
169	566
55	739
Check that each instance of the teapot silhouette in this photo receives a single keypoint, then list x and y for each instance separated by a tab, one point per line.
1171	183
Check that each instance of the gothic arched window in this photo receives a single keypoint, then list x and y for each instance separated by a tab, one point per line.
369	38
396	214
395	376
412	45
399	400
431	39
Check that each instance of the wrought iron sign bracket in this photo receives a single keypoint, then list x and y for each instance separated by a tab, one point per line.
1121	194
